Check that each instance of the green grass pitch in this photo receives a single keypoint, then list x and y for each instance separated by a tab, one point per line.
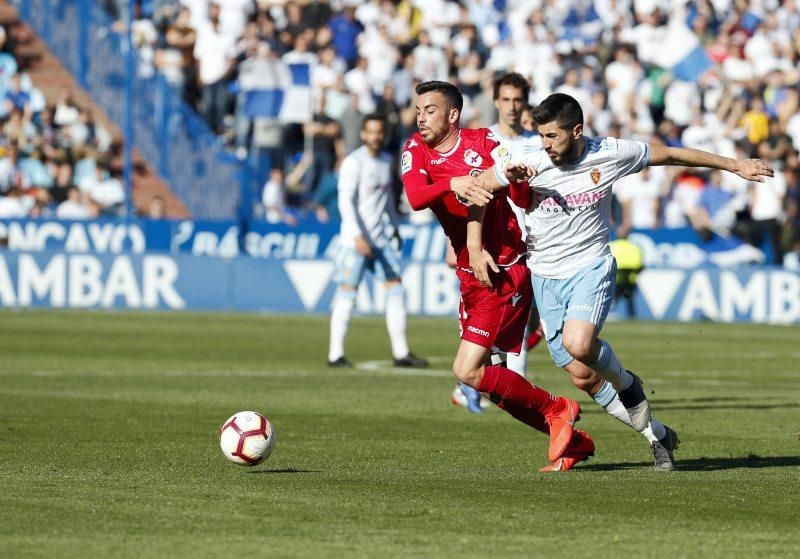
108	445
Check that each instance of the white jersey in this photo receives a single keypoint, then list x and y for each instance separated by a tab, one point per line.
568	223
366	203
502	151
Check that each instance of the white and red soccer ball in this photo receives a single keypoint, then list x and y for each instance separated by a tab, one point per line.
247	438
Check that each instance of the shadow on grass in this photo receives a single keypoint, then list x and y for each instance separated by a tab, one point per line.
283	471
712	406
706	404
707	464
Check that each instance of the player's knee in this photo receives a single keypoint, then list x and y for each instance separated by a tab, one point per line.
579	347
467	374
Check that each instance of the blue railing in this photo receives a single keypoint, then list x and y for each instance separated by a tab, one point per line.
166	130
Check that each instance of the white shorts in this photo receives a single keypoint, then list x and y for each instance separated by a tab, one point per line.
351	265
586	295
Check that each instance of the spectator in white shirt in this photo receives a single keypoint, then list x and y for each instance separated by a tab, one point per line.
104	190
215	52
274	199
639	194
766	211
430	62
75	206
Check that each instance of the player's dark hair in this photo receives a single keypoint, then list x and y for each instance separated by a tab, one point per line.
514	80
377	117
561	108
448	91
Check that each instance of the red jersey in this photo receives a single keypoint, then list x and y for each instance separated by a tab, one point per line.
426	175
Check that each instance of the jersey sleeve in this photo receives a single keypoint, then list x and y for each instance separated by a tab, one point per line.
530	153
632	156
348	192
488	142
420	189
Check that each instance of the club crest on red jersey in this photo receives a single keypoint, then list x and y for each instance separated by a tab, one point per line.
595	174
472	158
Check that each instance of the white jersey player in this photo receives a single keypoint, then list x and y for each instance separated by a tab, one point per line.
369	240
509	98
573	272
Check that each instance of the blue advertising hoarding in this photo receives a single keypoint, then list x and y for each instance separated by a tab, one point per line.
139	264
183	281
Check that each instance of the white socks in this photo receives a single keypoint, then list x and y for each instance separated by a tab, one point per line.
396	320
517	362
341	311
608	398
608	366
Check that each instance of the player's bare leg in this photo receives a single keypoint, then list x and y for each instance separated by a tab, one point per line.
525	402
396	326
581	341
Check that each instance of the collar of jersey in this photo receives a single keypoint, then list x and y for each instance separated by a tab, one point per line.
584	153
454	148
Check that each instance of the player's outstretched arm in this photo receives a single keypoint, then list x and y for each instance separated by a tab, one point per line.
749	169
479	259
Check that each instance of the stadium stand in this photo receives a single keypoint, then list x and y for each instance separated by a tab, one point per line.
61	153
728	82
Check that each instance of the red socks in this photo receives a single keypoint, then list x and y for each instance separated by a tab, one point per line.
509	386
528	416
535	337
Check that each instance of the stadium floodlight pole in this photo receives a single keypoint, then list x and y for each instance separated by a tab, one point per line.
127	145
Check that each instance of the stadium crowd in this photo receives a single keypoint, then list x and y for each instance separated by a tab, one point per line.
55	160
367	55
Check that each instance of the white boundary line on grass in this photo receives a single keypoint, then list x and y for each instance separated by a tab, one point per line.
385	367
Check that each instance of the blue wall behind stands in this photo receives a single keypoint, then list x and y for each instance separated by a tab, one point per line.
199	266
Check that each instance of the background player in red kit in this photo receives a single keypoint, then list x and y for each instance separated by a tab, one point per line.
492	319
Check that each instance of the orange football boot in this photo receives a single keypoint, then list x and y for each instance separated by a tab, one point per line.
562	428
580	448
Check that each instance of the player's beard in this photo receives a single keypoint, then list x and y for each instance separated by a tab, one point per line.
569	155
430	137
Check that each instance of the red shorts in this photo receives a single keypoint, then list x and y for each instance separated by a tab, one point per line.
496	318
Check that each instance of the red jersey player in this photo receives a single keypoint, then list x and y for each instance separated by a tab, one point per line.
491	318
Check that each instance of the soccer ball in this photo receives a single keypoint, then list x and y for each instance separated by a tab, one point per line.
247	438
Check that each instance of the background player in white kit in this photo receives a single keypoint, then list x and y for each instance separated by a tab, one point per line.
369	240
510	98
573	272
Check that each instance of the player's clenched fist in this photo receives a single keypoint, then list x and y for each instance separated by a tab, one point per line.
519	172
